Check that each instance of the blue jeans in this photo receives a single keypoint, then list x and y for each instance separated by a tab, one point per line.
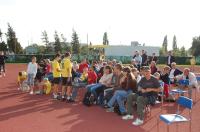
92	88
119	96
30	79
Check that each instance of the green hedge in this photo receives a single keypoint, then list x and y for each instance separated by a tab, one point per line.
123	59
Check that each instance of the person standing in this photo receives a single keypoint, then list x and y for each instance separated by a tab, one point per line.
2	64
144	58
170	58
138	59
153	58
32	71
56	75
67	77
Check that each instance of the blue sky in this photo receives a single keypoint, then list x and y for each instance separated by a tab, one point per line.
146	21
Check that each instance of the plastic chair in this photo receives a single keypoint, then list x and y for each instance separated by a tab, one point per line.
179	91
177	118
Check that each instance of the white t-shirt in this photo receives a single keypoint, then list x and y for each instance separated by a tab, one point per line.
32	69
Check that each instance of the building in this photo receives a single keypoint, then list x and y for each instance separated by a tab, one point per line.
119	50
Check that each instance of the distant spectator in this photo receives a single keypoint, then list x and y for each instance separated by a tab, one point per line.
153	67
2	63
144	58
114	62
153	58
83	65
138	59
170	58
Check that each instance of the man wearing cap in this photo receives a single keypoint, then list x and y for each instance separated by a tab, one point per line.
148	88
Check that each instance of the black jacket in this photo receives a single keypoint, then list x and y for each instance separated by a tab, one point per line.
172	59
2	59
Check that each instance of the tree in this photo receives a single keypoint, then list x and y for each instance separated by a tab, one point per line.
66	46
57	44
75	43
183	52
174	45
64	39
1	35
13	44
45	40
165	43
84	50
105	39
195	46
3	46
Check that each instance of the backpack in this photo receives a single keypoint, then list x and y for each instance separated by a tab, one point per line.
88	99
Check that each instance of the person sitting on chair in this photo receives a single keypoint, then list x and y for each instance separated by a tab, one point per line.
148	89
187	75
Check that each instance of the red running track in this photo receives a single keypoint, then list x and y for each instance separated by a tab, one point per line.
21	112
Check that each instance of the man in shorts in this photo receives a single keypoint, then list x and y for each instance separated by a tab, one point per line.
56	75
67	77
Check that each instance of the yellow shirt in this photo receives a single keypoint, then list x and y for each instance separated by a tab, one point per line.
23	77
48	87
66	68
56	68
84	77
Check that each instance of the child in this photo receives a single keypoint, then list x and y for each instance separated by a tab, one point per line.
22	76
32	71
83	79
45	87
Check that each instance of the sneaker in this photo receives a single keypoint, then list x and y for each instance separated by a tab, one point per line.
31	93
138	122
110	109
128	117
55	96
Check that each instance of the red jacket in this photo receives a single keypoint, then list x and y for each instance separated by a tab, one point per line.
92	77
82	66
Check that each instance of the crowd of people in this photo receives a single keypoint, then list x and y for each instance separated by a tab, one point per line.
110	84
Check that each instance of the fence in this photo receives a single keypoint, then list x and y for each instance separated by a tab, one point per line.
123	59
